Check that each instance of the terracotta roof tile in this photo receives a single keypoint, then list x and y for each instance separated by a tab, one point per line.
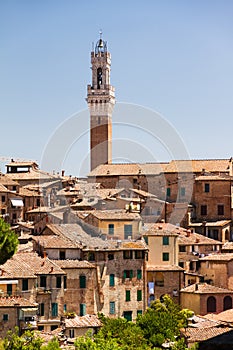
197	165
128	169
12	301
115	215
201	334
218	257
74	264
204	288
83	321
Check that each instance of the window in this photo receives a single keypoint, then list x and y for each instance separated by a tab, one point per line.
14	216
82	281
112	280
71	333
65	282
41	309
62	255
128	315
9	289
25	284
211	304
3	199
146	239
203	210
139	295
169	192
220	209
165	256
182	191
182	248
159	279
165	240
112	308
64	307
111	229
58	282
53	327
38	202
139	312
14	188
139	254
5	317
127	295
127	254
40	328
54	309
128	273
207	188
110	256
91	257
227	303
139	274
82	309
128	230
43	281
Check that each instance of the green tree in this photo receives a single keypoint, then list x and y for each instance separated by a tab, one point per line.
27	341
52	345
8	242
162	322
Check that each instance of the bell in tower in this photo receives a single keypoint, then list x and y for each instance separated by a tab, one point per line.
101	100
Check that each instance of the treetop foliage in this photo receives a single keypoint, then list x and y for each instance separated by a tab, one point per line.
8	242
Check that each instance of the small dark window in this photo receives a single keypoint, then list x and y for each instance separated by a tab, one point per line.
165	240
62	255
139	312
127	254
40	328
139	295
165	256
9	289
110	256
207	188
65	282
14	216
82	281
58	282
41	309
146	239
5	317
127	295
128	230
128	273
91	257
220	209
227	303
203	210
14	188
127	315
139	254
182	248
111	229
38	202
43	281
25	284
71	333
3	199
168	192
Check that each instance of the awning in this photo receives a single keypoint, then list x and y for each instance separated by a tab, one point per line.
17	202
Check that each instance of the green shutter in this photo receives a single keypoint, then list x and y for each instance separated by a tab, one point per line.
54	309
168	192
131	274
82	309
139	295
165	240
112	280
82	281
112	307
41	309
127	295
139	274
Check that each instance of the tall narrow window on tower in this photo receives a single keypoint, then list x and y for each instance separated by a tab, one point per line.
103	94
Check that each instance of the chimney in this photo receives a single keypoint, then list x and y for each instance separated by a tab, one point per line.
63	173
51	270
188	233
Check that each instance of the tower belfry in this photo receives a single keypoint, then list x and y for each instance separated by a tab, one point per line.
101	100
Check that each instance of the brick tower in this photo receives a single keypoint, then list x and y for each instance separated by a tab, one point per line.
101	100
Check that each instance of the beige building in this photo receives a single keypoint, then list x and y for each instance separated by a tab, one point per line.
203	298
115	224
164	276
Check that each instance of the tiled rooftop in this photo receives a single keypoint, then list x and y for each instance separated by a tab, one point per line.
204	288
18	301
201	334
192	238
128	169
74	264
83	321
197	165
218	257
161	229
115	215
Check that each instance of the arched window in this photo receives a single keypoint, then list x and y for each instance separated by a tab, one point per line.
211	304
227	303
99	77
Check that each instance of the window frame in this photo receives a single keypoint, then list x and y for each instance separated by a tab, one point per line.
165	256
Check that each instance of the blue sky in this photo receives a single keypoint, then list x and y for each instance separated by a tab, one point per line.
174	57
